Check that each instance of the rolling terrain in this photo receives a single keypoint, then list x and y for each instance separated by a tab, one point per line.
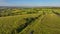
30	21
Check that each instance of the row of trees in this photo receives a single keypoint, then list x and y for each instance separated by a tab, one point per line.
15	11
20	11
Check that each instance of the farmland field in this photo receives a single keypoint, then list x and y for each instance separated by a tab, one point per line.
29	20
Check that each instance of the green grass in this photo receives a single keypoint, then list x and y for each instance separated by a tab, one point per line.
43	22
50	24
7	24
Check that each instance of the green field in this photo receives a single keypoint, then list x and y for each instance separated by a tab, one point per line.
29	20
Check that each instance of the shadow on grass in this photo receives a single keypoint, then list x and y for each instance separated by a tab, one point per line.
56	13
23	26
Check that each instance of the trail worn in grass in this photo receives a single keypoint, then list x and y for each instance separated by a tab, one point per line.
50	24
10	23
44	22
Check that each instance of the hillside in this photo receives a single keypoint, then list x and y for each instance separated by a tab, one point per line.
31	21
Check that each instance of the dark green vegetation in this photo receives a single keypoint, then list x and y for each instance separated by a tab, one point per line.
29	20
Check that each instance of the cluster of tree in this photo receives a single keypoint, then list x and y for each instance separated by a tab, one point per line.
17	11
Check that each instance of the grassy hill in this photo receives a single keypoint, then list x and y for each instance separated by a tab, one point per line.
31	21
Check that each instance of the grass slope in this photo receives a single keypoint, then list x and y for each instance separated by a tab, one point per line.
46	24
10	23
50	24
41	23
